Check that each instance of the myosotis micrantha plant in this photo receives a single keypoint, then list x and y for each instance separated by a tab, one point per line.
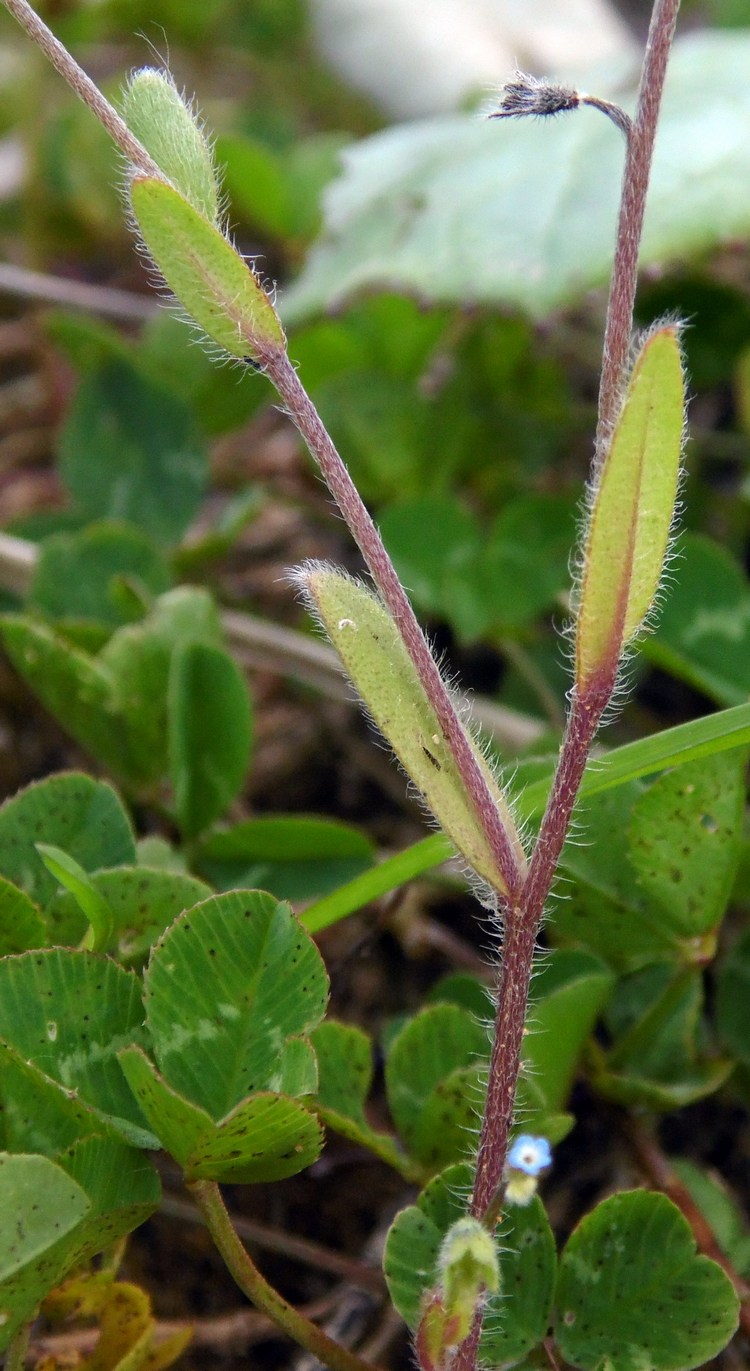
175	202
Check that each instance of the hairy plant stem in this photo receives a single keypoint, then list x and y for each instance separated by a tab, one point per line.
635	179
257	1289
508	854
524	919
505	846
519	939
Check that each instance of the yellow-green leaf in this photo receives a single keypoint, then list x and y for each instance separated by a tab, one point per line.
374	656
167	127
632	509
206	274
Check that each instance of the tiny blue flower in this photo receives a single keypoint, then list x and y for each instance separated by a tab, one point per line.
530	1155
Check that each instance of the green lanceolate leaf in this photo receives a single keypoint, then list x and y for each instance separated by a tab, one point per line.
372	651
72	877
142	901
633	1292
632	509
208	276
169	130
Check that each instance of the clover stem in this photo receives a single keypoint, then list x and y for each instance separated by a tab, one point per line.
257	1289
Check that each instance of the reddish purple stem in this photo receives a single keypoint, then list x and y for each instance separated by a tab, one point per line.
507	854
524	920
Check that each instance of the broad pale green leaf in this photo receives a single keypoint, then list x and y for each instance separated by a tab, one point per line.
733	999
123	1188
279	192
69	1013
295	857
226	986
654	898
437	1042
38	1114
569	992
172	133
656	1060
522	214
77	574
517	1319
718	1208
33	1236
72	811
633	1292
210	729
704	629
143	903
685	838
375	658
207	275
632	509
129	450
21	924
345	1070
265	1137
